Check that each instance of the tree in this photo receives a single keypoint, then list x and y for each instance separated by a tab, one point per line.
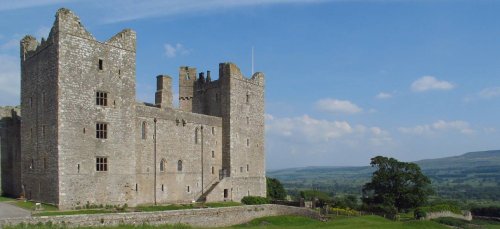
275	189
395	186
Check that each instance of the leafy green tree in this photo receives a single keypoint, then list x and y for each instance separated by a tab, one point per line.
395	186
275	189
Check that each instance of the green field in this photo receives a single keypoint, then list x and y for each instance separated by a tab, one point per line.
302	222
472	178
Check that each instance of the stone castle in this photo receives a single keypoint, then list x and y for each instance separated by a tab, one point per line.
83	139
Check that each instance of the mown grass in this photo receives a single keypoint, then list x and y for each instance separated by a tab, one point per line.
5	199
75	212
296	222
185	206
29	205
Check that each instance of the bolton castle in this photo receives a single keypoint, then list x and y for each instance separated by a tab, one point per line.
80	137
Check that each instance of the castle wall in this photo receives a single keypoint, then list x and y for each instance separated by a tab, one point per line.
86	67
180	136
10	151
39	126
72	85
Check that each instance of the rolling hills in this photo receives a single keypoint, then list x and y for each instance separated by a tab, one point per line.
471	176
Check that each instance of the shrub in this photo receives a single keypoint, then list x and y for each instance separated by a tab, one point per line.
486	211
254	200
344	211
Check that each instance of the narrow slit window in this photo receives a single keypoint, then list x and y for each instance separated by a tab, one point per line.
143	128
248	142
213	170
248	167
78	167
101	164
101	64
101	130
248	98
179	165
213	154
162	165
188	190
162	189
101	98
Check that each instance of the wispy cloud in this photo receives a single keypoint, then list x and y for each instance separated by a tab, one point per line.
20	4
427	83
173	50
338	106
489	93
128	10
383	95
439	126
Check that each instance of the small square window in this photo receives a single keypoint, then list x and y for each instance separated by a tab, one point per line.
101	164
101	98
101	130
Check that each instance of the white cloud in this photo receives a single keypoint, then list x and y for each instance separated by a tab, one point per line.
172	50
9	80
489	93
338	106
439	126
427	83
310	130
384	95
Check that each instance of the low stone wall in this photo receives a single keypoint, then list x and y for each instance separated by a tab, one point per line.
434	215
208	217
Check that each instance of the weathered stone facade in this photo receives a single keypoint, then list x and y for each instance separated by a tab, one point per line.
85	139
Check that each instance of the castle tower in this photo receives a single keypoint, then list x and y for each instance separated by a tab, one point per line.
78	95
163	95
187	83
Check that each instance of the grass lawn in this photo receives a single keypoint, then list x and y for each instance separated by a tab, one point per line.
4	199
185	206
338	223
276	222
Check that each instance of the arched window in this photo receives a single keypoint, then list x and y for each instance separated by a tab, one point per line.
143	130
162	165
179	165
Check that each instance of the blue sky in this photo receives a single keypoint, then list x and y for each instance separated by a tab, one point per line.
345	80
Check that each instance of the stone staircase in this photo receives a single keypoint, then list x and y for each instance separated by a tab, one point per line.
203	197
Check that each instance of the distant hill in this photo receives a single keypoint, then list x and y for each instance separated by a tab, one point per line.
474	175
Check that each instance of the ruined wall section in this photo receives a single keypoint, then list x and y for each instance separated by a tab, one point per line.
39	127
191	138
86	67
10	151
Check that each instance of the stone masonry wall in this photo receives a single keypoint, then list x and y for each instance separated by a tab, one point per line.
88	66
190	138
434	215
210	217
10	152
